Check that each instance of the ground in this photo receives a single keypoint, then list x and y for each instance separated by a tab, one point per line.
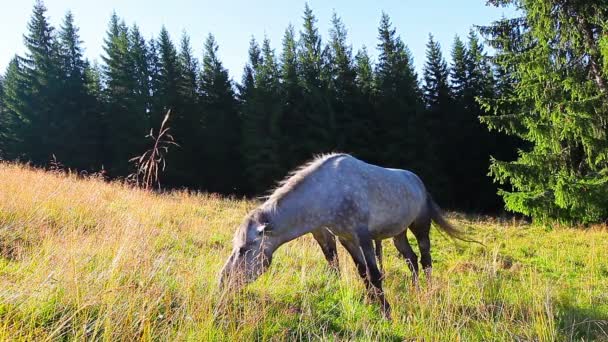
85	259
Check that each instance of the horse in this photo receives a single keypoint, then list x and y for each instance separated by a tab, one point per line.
338	195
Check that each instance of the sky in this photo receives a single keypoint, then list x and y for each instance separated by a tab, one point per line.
234	22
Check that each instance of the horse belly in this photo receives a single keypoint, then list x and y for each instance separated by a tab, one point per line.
394	209
390	217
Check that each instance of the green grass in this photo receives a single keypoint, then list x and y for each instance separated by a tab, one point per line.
87	260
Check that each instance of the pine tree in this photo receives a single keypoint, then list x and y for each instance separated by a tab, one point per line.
293	120
398	102
459	80
14	95
222	124
125	126
138	53
343	89
471	77
187	122
552	57
4	129
315	107
153	61
261	113
79	145
248	82
366	119
169	79
442	130
37	108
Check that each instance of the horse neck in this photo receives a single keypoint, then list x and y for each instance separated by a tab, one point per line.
289	221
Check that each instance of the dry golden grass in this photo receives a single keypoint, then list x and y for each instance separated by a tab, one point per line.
81	259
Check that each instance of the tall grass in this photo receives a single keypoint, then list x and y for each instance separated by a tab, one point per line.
88	260
152	162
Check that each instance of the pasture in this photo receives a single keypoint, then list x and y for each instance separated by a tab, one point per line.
82	259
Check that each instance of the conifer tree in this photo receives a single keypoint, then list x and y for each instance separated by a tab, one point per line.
153	58
78	147
14	96
169	78
248	82
343	89
398	102
459	81
471	77
125	127
38	111
315	107
138	53
222	124
261	113
552	57
365	140
441	155
187	122
293	120
4	130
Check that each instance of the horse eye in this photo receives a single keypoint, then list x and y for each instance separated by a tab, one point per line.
242	250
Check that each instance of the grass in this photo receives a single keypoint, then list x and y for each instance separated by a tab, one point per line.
81	259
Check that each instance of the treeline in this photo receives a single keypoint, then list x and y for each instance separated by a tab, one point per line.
311	96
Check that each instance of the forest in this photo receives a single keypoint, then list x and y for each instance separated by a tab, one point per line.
522	128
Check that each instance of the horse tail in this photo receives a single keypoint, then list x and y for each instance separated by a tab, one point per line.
438	217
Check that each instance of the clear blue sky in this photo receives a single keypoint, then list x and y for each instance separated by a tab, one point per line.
234	22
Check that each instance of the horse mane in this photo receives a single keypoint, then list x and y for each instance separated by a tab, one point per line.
297	177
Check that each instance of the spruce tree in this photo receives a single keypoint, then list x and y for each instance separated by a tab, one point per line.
38	111
79	145
471	77
125	127
14	96
153	61
552	57
315	108
222	124
293	120
168	78
441	155
366	119
186	123
4	130
343	89
398	102
261	112
138	53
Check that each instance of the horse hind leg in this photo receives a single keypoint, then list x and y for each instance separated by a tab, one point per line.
327	242
421	229
404	248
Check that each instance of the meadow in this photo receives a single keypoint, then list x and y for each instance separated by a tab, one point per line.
83	259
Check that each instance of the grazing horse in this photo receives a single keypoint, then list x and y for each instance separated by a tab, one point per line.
339	195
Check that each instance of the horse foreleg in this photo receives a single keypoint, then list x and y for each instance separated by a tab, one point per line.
375	276
327	242
378	251
365	260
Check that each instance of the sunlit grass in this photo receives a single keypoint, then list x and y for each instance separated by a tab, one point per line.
83	259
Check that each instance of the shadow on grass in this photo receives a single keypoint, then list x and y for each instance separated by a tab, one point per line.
588	324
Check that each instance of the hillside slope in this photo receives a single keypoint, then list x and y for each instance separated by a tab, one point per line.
84	259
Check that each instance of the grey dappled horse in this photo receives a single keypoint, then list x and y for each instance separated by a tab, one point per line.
339	195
